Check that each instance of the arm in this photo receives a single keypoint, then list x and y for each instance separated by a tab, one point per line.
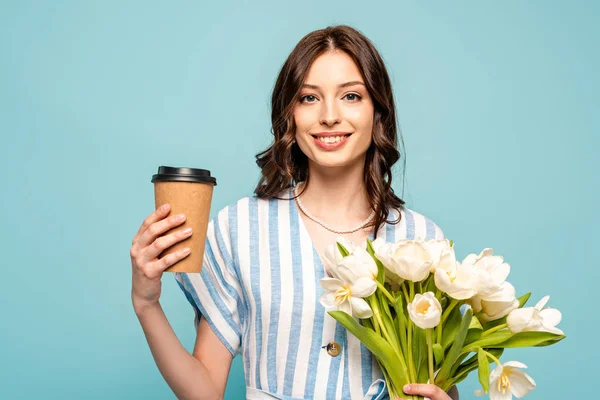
201	376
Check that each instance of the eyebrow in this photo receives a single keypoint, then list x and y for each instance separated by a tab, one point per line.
343	85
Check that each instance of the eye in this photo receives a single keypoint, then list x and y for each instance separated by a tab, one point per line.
353	97
307	98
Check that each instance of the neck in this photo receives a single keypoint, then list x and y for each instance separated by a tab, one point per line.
336	196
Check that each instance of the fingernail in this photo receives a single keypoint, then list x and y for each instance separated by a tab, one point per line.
187	230
406	388
164	207
180	217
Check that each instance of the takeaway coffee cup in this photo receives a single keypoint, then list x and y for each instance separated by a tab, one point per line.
188	191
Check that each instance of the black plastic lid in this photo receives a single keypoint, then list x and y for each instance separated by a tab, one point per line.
175	174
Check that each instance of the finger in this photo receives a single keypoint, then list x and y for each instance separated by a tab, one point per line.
164	242
423	389
158	214
170	259
160	227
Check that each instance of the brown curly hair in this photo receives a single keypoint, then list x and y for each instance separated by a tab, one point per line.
283	164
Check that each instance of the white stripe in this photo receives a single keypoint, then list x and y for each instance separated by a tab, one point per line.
207	302
308	315
420	227
340	382
287	295
228	275
324	359
355	367
265	285
244	261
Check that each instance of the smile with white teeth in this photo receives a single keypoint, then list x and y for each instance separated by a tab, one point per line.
331	139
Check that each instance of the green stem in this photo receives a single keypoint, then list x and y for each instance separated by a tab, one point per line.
411	364
385	291
494	329
447	311
386	334
430	354
439	332
490	355
411	284
405	293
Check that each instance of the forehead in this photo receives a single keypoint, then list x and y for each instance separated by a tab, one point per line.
332	68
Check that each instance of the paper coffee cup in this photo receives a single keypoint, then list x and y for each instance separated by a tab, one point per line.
188	191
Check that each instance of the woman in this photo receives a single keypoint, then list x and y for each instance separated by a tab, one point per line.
327	174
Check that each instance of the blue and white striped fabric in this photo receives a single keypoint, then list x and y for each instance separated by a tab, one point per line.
259	290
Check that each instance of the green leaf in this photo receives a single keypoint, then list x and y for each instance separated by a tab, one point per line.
342	249
506	339
456	347
377	345
484	369
523	299
451	327
467	367
475	331
438	353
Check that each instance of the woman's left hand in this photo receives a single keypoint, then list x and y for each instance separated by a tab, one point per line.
426	390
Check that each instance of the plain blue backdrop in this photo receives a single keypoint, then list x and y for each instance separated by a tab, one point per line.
497	103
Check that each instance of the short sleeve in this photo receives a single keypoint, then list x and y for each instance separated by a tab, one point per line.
215	293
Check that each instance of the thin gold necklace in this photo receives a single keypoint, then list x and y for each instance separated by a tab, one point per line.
323	224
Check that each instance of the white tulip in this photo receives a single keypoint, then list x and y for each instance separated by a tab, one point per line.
348	294
491	272
458	281
425	310
495	304
441	253
535	318
507	380
358	260
405	259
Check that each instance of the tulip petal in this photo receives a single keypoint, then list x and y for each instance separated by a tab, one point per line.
346	307
540	305
520	383
346	274
363	287
551	316
514	364
360	308
331	284
327	300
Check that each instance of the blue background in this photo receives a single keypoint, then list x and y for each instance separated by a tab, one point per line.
497	102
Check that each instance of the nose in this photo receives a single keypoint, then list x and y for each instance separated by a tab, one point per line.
329	114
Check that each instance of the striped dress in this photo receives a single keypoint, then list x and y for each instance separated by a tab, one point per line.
259	290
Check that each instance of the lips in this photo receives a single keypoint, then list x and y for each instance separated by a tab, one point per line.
329	134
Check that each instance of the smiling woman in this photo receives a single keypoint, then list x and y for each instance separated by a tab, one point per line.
327	173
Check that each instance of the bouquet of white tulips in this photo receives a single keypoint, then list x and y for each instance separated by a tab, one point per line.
428	318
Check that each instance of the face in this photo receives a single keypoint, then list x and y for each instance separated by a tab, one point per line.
334	114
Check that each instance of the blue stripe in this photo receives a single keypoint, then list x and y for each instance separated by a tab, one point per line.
429	229
317	333
345	381
216	297
410	224
232	266
255	282
275	296
334	368
233	234
293	345
391	229
366	367
188	287
189	298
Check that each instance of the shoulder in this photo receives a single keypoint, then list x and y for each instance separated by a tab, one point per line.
416	225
